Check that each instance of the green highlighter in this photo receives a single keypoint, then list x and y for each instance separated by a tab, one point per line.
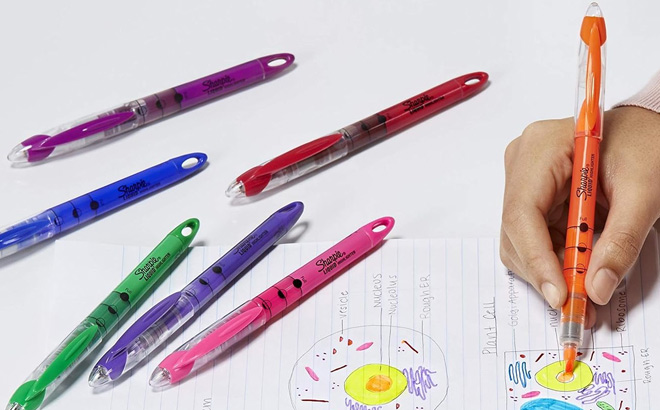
95	327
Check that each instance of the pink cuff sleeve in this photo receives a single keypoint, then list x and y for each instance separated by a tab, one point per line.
648	97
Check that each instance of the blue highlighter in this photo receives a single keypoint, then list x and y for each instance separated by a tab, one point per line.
76	211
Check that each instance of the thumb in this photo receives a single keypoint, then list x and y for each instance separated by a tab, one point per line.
618	247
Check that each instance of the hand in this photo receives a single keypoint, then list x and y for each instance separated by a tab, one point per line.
538	171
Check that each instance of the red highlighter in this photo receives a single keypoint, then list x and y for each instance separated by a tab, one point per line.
315	154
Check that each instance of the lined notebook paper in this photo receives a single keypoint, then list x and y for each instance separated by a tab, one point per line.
443	320
617	357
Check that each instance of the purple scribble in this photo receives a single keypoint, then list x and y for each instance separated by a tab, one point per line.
601	386
351	405
591	394
419	381
604	378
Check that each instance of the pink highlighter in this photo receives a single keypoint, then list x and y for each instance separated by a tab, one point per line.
255	313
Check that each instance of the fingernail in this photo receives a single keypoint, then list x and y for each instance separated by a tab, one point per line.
604	283
550	293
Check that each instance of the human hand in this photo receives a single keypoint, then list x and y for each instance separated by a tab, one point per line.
538	171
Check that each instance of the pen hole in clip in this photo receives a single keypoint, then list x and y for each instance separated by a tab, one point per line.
187	231
379	227
189	163
472	81
277	62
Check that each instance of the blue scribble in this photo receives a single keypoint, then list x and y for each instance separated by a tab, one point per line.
519	374
548	404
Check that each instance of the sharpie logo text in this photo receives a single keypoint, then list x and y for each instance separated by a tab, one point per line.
586	186
418	103
134	189
212	86
148	269
151	266
327	264
587	175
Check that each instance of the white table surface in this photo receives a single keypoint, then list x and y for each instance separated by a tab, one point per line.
441	178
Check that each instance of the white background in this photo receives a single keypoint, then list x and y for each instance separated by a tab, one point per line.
441	178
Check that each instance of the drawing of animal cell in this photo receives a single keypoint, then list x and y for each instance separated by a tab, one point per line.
370	368
603	379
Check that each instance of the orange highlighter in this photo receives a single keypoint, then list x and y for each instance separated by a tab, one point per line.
582	205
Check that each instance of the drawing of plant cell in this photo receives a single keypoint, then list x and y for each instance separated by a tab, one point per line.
603	379
370	368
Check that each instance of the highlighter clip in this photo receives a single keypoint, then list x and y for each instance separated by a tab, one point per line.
275	63
593	34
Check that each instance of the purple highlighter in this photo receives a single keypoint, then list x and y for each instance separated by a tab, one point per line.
133	114
155	326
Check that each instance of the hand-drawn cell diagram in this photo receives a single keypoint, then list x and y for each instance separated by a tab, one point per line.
370	368
603	379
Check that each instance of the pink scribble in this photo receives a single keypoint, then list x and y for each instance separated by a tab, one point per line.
312	374
530	394
611	357
364	346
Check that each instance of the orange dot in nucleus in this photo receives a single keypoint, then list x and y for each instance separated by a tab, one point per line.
379	383
565	377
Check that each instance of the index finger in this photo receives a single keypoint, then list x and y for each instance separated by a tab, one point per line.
537	172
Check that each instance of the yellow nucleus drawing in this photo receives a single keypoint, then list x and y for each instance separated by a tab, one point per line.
553	377
370	368
603	378
375	383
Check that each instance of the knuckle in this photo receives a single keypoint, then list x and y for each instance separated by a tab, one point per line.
532	265
535	129
512	216
509	152
506	257
506	260
623	249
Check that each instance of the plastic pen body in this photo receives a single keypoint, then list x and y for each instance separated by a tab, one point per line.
255	313
91	331
158	324
85	207
325	150
584	182
579	240
143	111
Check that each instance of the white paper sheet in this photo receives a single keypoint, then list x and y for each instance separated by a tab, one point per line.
425	308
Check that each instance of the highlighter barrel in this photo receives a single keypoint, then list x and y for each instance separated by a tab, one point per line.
46	378
322	151
170	314
91	205
253	314
143	111
584	182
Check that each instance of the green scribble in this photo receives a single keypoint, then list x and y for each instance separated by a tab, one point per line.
604	406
